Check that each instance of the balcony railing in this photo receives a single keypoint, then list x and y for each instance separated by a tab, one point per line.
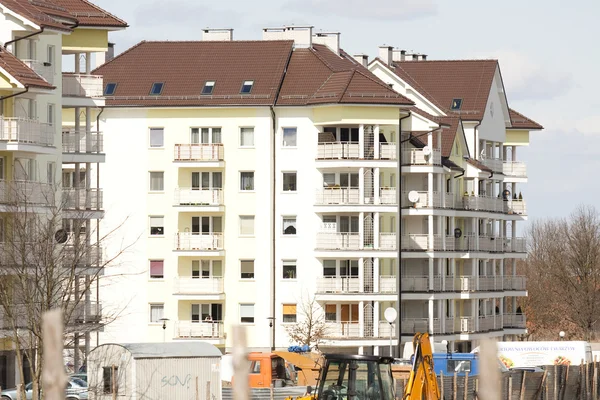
424	201
82	255
414	325
483	203
82	199
517	207
467	242
387	241
81	85
198	197
199	241
338	240
199	152
343	330
27	131
387	151
514	321
491	283
514	168
421	157
343	284
43	69
338	195
26	192
82	142
387	195
189	285
415	283
338	150
199	329
90	312
495	164
516	282
387	284
490	323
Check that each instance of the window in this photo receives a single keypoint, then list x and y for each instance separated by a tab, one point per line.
157	269
247	269
289	181
330	312
157	137
50	172
50	56
208	87
289	313
246	180
289	225
156	313
456	104
329	268
109	89
157	226
205	135
289	137
157	88
50	114
247	87
157	181
246	225
247	137
247	313
255	367
289	270
110	379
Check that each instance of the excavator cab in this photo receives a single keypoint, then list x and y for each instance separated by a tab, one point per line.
356	377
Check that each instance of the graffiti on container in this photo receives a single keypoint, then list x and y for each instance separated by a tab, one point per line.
175	380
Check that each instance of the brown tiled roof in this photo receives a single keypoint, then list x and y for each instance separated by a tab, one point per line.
318	75
89	14
443	81
184	67
519	121
446	162
25	75
478	164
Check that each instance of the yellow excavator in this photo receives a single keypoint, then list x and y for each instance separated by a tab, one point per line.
357	377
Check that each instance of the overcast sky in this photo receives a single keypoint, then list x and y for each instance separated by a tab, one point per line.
548	52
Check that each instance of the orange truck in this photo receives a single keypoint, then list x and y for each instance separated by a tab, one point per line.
281	368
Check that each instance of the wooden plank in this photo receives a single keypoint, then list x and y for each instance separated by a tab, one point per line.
54	378
454	386
522	392
510	379
241	366
466	391
442	384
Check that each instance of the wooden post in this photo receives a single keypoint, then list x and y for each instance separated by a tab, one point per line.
476	396
546	385
241	366
454	386
510	387
113	380
442	384
595	381
543	385
522	393
587	381
466	391
54	378
555	383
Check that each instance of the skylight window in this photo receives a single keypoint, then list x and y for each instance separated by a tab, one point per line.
208	87
247	87
157	88
456	104
110	88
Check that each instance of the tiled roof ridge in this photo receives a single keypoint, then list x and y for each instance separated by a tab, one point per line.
321	58
414	83
129	50
213	41
524	117
103	11
451	60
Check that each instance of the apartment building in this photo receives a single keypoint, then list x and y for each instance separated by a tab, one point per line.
47	126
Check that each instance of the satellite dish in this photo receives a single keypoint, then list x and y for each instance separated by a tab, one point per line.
413	196
390	314
426	151
506	194
457	233
61	236
482	154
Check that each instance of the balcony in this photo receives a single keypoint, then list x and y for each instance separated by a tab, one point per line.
81	85
82	199
387	151
198	197
43	69
387	284
344	284
514	169
483	203
335	330
82	255
338	151
198	152
466	243
199	241
198	286
517	321
338	240
26	131
518	207
387	195
515	282
199	329
387	241
90	312
424	201
413	325
415	284
338	195
491	283
422	157
490	323
495	164
78	141
26	192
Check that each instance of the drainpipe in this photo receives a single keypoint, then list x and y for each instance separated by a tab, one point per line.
475	140
24	37
273	228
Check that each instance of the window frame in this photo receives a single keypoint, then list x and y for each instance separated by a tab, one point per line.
283	314
150	217
295	225
246	84
242	189
150	307
249	278
283	131
150	189
247	217
283	174
245	146
108	380
51	113
289	263
156	129
207	84
153	278
242	305
112	85
152	91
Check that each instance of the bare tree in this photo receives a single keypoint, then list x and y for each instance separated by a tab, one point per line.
45	267
310	327
563	270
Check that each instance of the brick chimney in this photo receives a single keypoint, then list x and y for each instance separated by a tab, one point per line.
217	35
386	54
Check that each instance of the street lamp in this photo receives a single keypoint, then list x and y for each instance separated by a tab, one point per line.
164	321
562	334
390	315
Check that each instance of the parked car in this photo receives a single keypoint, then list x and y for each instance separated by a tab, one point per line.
82	376
77	389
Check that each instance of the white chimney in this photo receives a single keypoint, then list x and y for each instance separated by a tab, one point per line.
386	54
217	35
362	59
301	35
399	55
329	39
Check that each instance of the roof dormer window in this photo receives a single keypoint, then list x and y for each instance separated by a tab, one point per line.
247	87
109	89
208	87
456	104
157	88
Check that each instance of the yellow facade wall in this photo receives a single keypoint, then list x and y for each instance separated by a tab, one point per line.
356	115
68	116
517	138
93	40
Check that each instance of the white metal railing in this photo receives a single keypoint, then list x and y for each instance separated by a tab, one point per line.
420	157
514	321
491	283
515	282
515	245
90	199
338	240
28	192
467	324
425	200
467	283
198	241
387	241
199	152
387	195
387	151
25	130
199	329
414	325
338	150
514	168
342	330
483	203
450	325
418	242
43	69
415	284
490	323
492	244
82	255
189	285
341	284
386	329
82	142
517	207
198	197
387	284
495	164
90	312
82	85
338	195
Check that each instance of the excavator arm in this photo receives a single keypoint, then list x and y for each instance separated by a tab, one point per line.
422	382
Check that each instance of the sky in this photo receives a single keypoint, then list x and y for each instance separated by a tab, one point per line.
547	49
